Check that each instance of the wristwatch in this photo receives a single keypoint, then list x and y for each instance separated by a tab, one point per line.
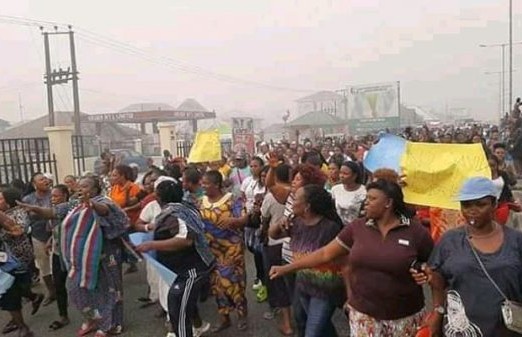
440	309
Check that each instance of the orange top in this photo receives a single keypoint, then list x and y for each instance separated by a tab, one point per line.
442	220
118	194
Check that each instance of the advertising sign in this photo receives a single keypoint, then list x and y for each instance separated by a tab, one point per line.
374	107
243	134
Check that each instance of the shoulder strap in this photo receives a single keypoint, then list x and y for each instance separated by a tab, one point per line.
477	257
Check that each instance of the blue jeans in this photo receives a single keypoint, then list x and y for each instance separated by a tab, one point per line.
313	316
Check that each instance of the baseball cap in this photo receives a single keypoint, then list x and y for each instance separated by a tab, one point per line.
476	188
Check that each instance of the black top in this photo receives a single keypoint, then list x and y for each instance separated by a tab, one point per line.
181	261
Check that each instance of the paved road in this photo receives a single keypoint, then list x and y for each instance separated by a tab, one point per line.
142	323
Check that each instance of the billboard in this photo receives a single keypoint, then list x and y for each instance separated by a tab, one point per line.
243	135
374	107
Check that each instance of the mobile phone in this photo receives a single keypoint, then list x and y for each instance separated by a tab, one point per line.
417	266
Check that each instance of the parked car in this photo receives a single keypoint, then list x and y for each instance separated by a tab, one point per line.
126	157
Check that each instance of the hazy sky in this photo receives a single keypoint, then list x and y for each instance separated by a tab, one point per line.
430	46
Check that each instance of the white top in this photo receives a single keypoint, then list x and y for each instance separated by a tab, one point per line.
273	210
250	187
348	203
499	185
150	211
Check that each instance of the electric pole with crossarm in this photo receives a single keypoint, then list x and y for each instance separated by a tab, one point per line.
61	76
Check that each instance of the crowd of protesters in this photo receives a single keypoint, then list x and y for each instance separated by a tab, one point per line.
324	234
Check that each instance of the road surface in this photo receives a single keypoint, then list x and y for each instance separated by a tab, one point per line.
143	323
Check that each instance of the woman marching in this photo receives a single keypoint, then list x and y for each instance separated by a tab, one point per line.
224	219
474	269
180	243
318	290
383	298
91	246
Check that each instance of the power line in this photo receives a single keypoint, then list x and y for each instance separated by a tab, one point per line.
67	96
170	62
61	100
177	65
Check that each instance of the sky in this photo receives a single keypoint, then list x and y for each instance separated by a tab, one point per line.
256	57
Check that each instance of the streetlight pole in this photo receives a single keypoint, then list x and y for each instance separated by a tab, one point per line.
500	89
510	54
503	83
503	70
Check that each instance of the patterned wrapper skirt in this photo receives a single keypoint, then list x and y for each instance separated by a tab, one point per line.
362	325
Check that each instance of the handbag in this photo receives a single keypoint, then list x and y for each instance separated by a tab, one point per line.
511	311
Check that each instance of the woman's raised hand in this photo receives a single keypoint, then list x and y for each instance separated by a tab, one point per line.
273	159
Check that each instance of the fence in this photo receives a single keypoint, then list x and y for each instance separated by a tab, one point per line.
149	145
21	158
183	147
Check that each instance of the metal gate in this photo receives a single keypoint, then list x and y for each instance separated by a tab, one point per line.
22	157
183	147
78	155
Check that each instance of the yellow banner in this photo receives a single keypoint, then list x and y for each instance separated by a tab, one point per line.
206	147
436	172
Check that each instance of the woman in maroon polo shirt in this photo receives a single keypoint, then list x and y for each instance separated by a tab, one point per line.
384	300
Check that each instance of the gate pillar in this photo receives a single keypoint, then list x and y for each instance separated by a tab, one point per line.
167	137
60	144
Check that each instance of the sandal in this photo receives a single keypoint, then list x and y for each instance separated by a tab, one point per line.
115	330
37	302
100	333
221	327
10	327
56	325
86	329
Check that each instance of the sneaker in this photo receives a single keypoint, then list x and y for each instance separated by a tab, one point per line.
171	334
262	294
257	285
198	332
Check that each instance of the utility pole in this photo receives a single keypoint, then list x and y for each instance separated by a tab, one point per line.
62	76
503	71
500	89
503	83
76	96
48	79
510	55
